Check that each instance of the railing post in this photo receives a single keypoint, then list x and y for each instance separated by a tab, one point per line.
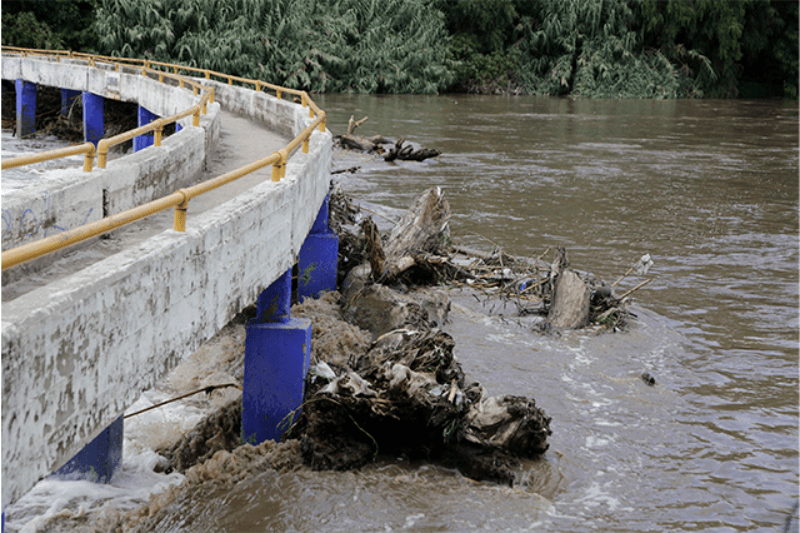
303	99
278	93
322	124
194	90
196	117
305	143
258	86
88	160
284	160
102	153
208	75
276	168
159	131
180	213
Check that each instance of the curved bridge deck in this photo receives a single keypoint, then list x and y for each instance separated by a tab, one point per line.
79	346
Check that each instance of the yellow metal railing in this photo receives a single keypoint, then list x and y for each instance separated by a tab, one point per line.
178	200
86	148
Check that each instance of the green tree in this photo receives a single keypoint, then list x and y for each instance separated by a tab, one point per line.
55	24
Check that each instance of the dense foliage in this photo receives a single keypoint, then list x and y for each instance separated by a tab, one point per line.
53	25
626	48
590	48
394	46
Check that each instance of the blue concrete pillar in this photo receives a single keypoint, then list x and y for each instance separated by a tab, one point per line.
98	460
277	353
67	96
93	120
144	117
26	108
274	303
318	258
276	360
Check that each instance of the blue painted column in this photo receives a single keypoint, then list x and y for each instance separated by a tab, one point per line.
277	354
67	96
98	460
318	258
144	117
26	108
93	120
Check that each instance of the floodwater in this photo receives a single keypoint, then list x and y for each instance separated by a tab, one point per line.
710	190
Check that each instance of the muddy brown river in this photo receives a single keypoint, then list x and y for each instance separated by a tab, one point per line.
710	190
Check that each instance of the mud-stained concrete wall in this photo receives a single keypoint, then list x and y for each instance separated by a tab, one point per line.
79	351
71	197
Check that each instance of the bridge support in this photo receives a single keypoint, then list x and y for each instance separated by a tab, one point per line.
93	120
318	258
98	460
277	355
67	97
144	117
26	108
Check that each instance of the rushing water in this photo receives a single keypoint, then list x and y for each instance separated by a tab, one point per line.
710	190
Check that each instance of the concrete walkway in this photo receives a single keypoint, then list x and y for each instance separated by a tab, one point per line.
242	141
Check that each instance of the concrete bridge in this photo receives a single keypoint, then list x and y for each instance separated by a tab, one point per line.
78	351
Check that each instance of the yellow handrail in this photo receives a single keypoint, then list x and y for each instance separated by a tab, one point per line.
179	199
86	148
35	249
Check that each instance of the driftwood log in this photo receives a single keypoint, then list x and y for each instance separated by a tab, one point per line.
423	230
570	306
374	144
408	153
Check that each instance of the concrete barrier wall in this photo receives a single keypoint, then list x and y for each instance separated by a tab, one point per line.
78	352
71	197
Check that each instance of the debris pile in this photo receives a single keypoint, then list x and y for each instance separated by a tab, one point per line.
407	394
374	145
